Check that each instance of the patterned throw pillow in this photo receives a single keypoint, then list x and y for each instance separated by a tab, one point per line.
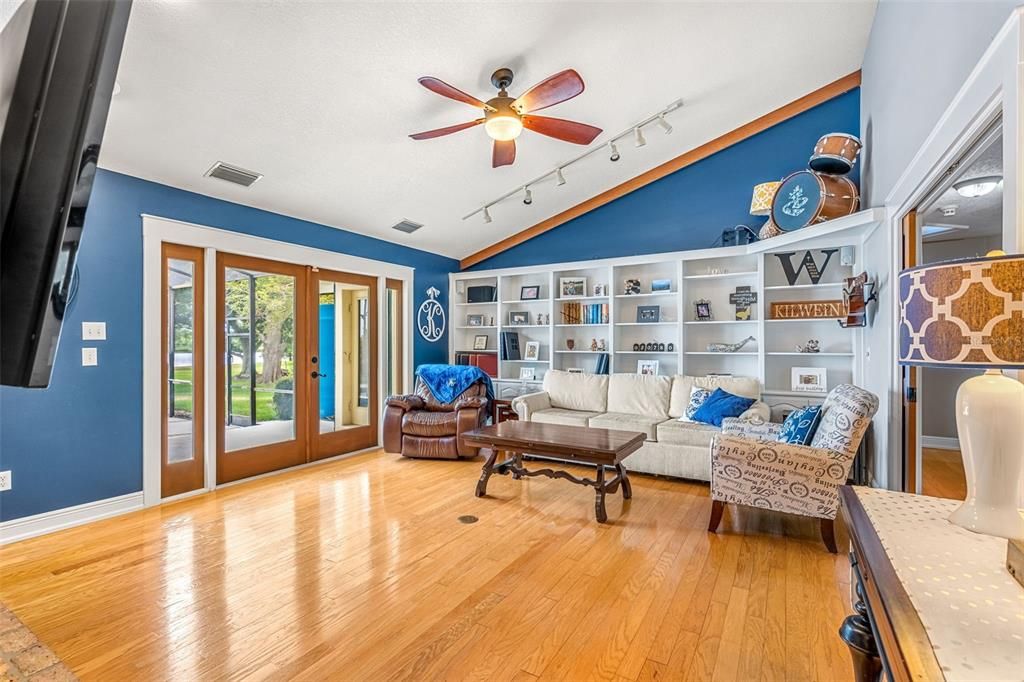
697	397
800	425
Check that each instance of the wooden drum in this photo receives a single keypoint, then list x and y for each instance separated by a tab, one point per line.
835	154
807	198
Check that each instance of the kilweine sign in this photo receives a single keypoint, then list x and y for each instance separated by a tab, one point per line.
807	310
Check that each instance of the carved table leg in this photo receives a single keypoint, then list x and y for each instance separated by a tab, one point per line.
627	488
485	473
599	510
517	465
856	632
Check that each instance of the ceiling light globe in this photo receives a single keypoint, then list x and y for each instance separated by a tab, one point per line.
503	128
977	187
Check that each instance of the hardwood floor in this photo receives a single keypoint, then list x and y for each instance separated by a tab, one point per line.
360	570
942	474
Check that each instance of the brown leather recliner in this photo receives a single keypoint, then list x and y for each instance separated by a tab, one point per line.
418	425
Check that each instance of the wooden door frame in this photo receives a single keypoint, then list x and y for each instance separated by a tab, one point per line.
391	284
179	479
360	438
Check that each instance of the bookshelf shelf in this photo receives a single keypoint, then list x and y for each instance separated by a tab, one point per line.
596	324
721	322
527	301
725	355
466	326
647	324
576	299
788	287
645	352
723	275
649	294
811	355
586	352
465	304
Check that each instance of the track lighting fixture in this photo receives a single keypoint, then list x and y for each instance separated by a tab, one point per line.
527	197
638	136
664	124
615	152
487	215
560	179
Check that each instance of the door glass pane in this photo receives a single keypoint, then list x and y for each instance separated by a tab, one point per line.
392	302
344	356
180	389
259	312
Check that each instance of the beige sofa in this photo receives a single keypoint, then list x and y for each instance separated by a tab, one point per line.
634	402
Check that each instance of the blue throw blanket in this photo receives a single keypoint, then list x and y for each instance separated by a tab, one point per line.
446	382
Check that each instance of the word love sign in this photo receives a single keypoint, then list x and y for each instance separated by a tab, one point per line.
807	310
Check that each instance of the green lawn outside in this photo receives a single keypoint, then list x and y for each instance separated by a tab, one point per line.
265	410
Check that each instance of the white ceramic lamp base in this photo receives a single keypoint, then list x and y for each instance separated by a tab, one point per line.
990	425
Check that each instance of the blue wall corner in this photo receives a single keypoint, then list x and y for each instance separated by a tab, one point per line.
80	440
689	208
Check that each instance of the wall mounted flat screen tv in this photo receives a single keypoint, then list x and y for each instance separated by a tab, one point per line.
58	61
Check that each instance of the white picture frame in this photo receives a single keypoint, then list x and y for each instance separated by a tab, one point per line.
527	374
572	287
480	342
532	350
809	380
647	367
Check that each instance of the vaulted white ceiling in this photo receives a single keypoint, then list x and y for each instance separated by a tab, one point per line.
320	98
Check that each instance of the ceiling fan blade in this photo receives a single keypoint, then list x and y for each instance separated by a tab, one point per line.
562	129
429	134
558	88
440	87
504	153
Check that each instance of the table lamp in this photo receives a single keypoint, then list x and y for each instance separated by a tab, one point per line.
761	204
970	314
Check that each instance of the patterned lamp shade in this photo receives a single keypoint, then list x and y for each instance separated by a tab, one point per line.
966	313
761	202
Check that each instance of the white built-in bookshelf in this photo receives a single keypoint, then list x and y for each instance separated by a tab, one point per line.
631	334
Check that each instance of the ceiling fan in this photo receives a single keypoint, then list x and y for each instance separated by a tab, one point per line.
505	117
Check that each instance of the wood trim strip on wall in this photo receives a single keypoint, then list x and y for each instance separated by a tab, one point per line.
772	118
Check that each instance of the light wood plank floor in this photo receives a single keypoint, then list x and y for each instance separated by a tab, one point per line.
360	570
942	474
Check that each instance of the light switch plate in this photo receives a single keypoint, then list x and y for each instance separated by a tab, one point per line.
94	331
89	358
5	481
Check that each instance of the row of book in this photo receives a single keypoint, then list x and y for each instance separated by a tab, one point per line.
485	361
585	313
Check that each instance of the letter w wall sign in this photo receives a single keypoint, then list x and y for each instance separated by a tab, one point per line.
814	271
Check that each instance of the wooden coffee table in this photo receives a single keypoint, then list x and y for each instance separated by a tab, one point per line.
601	447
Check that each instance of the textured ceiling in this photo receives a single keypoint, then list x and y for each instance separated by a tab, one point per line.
320	98
982	215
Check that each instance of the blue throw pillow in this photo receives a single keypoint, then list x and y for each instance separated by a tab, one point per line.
800	425
720	405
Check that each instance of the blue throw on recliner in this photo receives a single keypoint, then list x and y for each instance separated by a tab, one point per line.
447	382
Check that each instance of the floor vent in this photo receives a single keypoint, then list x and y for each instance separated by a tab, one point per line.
407	226
239	176
468	519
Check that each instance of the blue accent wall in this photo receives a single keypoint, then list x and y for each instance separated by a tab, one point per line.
80	440
689	208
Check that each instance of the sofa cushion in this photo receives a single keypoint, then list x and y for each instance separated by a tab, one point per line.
639	394
674	432
559	415
432	424
572	391
748	387
620	421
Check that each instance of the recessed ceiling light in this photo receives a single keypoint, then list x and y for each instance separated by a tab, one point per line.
977	187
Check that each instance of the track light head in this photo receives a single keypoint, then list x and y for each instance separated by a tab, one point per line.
663	124
527	197
615	153
559	178
638	136
487	215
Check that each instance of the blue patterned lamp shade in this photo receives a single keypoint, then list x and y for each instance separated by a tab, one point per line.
964	313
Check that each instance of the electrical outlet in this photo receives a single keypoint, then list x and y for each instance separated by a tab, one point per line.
89	358
94	331
5	480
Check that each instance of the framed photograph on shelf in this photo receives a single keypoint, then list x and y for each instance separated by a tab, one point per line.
648	314
600	290
518	318
532	350
702	310
527	374
572	287
475	320
647	367
809	380
480	342
530	293
660	285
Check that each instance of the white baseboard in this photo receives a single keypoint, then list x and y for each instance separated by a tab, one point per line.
59	519
940	442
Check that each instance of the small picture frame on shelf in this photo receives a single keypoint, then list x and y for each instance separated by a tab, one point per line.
702	310
648	314
475	321
532	350
631	287
647	367
808	380
529	293
661	285
572	287
600	290
518	318
480	342
527	374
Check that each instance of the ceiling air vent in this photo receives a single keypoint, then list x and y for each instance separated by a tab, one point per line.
239	176
407	226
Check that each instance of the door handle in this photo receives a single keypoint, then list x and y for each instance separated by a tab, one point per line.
316	375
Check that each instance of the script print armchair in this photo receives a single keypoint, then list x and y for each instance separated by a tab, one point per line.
420	426
750	467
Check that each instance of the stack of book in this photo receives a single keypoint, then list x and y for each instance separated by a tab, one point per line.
602	364
488	362
579	313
